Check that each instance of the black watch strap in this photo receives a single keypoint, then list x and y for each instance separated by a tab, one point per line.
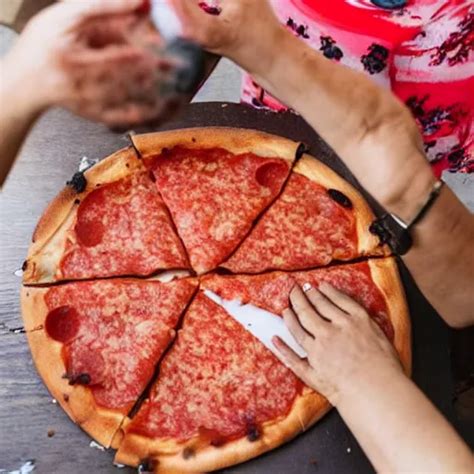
395	232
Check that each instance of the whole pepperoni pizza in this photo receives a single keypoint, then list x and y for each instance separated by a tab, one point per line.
114	301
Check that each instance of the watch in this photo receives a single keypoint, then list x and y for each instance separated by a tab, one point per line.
395	232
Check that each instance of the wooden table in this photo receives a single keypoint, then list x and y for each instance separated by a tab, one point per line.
32	427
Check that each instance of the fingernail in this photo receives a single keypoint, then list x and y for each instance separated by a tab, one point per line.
306	287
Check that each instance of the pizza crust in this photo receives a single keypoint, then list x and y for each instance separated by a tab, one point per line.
51	233
385	275
234	140
76	400
315	170
194	457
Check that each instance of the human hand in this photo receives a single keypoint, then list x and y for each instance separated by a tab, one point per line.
242	30
343	345
95	58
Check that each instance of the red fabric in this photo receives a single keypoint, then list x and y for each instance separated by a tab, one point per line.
423	51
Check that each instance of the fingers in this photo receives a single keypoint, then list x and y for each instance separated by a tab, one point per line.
308	317
197	25
289	357
294	326
102	7
324	306
343	301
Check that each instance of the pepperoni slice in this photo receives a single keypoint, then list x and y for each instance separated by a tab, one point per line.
62	323
89	227
271	174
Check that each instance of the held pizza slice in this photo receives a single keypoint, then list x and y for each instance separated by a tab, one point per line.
221	398
111	222
318	218
375	284
96	343
216	182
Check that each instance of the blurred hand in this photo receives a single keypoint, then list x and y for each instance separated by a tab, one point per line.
344	346
238	31
93	57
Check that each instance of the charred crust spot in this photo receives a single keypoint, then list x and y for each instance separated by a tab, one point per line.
97	185
193	140
78	182
65	397
127	165
24	265
253	433
77	201
340	198
188	453
378	229
301	150
80	379
147	466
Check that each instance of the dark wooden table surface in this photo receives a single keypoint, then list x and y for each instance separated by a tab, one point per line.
33	427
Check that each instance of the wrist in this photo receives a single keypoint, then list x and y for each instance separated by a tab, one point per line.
364	382
408	193
25	86
257	57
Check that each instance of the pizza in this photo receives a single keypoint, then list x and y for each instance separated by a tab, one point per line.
111	221
215	193
114	292
96	343
317	204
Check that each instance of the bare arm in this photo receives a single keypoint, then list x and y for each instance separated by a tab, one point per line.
397	427
19	109
368	127
377	138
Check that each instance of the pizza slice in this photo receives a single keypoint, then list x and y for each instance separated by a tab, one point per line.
221	398
375	284
318	218
216	182
96	343
110	221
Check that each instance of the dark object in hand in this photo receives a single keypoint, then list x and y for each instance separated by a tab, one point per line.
190	72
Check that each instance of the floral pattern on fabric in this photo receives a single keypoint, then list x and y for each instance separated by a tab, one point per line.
423	50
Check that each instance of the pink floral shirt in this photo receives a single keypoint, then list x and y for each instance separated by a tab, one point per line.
422	49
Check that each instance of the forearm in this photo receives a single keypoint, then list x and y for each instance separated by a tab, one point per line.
441	259
18	112
370	130
399	429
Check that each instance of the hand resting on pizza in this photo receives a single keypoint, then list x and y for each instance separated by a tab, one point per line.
368	127
351	362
